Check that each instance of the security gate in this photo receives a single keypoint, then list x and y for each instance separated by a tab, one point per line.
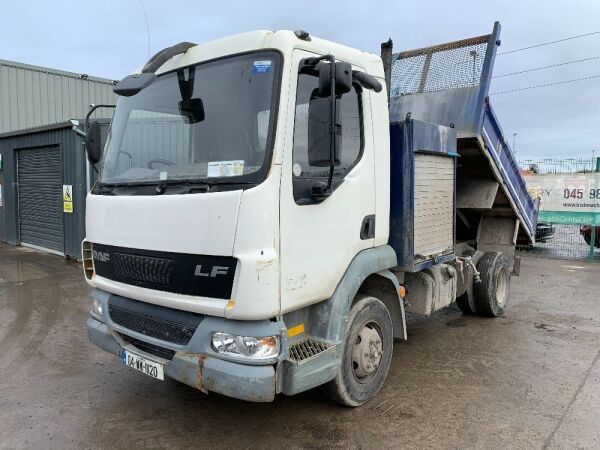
39	177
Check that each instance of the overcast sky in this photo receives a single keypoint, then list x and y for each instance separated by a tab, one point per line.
108	38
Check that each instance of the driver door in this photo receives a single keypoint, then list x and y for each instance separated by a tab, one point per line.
320	239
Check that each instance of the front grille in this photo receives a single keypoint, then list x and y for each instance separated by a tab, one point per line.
181	273
144	269
307	348
152	349
171	325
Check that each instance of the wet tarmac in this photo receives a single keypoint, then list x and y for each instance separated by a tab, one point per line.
530	379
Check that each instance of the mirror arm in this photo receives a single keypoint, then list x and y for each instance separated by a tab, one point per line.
332	125
92	109
367	81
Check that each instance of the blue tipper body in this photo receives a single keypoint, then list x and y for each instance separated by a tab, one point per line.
449	90
407	138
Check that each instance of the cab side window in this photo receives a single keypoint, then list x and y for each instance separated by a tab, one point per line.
350	117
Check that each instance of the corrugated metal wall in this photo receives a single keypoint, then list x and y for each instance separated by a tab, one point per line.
73	173
32	96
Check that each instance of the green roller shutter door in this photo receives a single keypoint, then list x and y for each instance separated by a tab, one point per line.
39	176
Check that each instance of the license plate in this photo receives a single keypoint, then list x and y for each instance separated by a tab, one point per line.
144	365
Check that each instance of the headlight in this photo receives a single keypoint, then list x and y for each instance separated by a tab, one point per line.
96	310
256	348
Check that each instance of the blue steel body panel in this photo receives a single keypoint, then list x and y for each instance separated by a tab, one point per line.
401	195
407	138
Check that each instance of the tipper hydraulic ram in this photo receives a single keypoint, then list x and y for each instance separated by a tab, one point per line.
268	206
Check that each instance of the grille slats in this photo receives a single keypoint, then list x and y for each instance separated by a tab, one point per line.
145	269
308	348
181	273
163	323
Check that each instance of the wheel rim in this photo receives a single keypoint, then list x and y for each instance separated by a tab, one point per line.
367	351
502	286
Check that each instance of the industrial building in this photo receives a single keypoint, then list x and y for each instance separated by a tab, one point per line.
44	176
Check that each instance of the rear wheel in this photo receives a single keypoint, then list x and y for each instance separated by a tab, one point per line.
367	356
492	293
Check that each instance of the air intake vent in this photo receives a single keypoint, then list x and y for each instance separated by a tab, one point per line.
181	273
145	269
162	323
307	349
86	257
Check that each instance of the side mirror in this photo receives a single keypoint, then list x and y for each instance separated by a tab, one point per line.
92	143
192	109
343	78
319	139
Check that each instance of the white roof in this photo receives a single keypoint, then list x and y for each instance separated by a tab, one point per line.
284	41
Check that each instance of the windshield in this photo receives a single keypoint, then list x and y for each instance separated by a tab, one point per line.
209	122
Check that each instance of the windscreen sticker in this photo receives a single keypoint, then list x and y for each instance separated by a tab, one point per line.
225	168
261	66
162	176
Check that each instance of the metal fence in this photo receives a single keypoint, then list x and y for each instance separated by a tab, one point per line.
561	241
569	165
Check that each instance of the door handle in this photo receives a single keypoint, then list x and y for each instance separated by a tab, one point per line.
367	228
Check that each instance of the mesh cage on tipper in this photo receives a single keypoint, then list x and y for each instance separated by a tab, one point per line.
446	66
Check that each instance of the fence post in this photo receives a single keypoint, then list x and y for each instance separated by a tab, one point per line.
592	242
593	227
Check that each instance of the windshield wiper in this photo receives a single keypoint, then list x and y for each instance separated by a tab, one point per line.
109	188
162	185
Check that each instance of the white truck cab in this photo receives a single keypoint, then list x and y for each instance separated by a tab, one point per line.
238	234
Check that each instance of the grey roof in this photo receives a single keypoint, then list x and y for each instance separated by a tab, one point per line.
33	96
64	73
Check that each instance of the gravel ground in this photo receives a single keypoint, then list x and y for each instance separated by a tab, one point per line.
530	379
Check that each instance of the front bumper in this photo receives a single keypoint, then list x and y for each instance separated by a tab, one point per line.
198	365
242	381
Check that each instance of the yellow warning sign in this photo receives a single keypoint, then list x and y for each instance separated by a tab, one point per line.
68	198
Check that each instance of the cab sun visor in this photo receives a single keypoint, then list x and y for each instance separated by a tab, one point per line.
133	84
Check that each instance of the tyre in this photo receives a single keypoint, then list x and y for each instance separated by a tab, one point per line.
367	356
492	293
463	304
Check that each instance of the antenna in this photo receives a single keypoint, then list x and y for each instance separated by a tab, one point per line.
147	26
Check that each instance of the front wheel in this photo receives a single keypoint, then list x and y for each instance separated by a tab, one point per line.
367	356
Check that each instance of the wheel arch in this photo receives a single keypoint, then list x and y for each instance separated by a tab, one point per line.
385	286
329	318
